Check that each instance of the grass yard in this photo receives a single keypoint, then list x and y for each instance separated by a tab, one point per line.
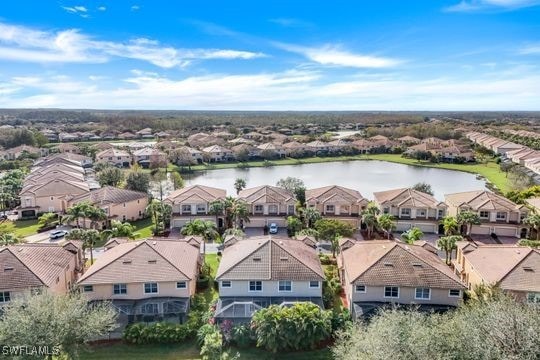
25	228
213	261
189	350
143	228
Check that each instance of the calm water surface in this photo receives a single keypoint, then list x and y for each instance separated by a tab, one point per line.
364	176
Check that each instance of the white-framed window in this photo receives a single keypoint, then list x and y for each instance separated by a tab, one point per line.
360	288
255	286
391	292
501	215
484	214
226	284
422	293
285	285
440	212
314	284
454	293
533	297
150	308
88	288
290	209
421	212
186	209
330	209
119	289
405	212
259	209
181	285
386	210
150	288
272	209
201	208
5	296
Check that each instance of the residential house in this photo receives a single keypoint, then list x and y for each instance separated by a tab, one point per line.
318	147
271	150
126	136
268	204
365	146
498	215
514	269
115	157
102	146
295	149
16	152
37	267
149	157
412	208
243	152
67	148
118	204
193	202
145	133
146	281
408	140
337	202
217	153
257	272
379	272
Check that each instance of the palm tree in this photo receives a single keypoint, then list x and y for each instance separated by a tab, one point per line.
8	239
119	229
448	244
370	219
158	212
240	212
311	215
89	238
239	185
47	219
450	225
95	214
372	208
206	229
386	222
412	235
75	213
533	221
468	218
216	208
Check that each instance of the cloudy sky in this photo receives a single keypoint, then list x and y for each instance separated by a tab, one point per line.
271	55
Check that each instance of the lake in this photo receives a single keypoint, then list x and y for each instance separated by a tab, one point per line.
364	176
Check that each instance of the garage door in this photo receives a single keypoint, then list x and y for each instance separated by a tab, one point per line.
259	222
402	226
281	222
427	228
178	223
480	230
505	231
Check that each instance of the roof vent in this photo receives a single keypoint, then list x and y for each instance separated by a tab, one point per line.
152	261
280	242
388	264
417	265
8	268
284	258
256	259
528	269
126	261
154	242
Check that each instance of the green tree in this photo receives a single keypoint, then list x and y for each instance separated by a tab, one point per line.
450	225
47	220
332	230
111	176
291	184
63	321
7	239
448	244
216	208
178	182
423	187
533	221
294	225
119	229
468	218
138	181
412	235
239	185
387	223
89	237
206	229
311	215
7	227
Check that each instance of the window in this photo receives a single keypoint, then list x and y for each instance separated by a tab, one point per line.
391	292
360	288
290	209
201	208
88	288
181	285
405	212
150	308
255	286
484	214
422	293
421	212
5	296
226	284
386	210
285	285
314	284
454	293
501	216
119	289
124	204
272	209
150	288
330	208
186	209
440	212
259	209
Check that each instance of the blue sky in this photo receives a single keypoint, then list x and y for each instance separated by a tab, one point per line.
278	55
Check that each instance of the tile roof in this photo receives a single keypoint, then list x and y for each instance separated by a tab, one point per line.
269	258
481	199
334	193
201	192
407	197
109	195
266	194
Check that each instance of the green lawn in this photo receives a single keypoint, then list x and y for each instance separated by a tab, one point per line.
25	228
189	350
143	228
213	261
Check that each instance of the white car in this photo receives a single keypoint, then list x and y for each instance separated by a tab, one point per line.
57	234
273	228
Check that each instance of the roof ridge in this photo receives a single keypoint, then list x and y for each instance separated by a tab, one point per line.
297	259
24	264
392	246
517	264
164	257
264	242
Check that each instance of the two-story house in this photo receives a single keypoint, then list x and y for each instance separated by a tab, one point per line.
115	157
149	157
268	204
498	215
217	153
148	280
411	208
380	272
514	269
257	272
193	202
337	202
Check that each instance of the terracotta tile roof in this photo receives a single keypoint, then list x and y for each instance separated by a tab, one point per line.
334	193
269	146
534	202
143	261
269	258
407	197
201	192
32	265
114	152
216	149
266	194
379	263
109	195
481	199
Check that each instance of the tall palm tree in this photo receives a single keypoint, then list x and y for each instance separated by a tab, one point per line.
216	208
412	235
370	219
239	185
47	219
468	218
533	221
387	223
240	212
75	213
450	225
448	244
89	238
95	214
372	208
311	215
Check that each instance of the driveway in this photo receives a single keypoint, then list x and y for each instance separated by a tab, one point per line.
254	231
43	237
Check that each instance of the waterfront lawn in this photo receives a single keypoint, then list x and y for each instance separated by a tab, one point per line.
143	228
189	350
25	228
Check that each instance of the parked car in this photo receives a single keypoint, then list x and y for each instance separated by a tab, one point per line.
324	247
57	234
273	228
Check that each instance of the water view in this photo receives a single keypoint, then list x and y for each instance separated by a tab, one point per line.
365	176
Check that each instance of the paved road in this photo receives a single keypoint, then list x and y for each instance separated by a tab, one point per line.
44	236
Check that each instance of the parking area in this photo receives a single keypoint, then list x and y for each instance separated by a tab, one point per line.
488	240
256	231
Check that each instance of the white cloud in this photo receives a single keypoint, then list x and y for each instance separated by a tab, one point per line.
530	49
480	5
135	7
102	8
335	56
19	43
80	10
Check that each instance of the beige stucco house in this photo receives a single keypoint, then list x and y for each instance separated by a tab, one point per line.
374	273
514	269
411	208
217	153
149	157
337	202
257	272
498	215
147	280
115	157
193	202
268	204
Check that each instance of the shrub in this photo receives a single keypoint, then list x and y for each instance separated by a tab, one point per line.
243	336
158	333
